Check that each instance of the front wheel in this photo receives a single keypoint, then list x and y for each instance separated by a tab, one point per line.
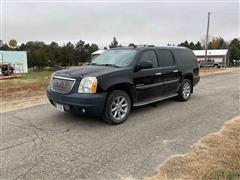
184	92
117	107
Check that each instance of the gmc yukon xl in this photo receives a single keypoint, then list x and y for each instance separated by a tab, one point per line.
122	78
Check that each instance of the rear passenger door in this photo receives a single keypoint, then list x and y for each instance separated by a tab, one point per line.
170	72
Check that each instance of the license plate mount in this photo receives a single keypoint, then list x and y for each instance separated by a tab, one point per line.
60	107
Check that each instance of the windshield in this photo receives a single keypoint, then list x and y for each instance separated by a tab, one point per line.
118	58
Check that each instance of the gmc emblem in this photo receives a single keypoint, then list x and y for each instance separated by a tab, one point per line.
60	84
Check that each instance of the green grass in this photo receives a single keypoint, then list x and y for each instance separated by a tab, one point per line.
40	74
33	78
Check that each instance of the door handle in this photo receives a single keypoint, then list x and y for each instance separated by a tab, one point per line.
175	70
157	74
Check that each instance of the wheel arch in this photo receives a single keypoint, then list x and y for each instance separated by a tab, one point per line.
216	64
127	87
189	76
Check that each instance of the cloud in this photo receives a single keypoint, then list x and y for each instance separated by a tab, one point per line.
141	23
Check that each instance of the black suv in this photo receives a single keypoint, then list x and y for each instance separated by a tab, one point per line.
122	78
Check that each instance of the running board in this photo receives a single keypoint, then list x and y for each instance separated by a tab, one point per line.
153	100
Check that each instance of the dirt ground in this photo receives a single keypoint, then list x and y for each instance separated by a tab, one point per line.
215	156
23	102
22	97
209	71
23	93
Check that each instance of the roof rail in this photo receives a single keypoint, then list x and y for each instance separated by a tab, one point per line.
135	46
151	45
142	45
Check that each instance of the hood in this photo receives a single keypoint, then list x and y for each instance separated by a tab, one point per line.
89	70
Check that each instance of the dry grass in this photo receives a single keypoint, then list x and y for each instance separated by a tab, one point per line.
24	92
215	156
209	70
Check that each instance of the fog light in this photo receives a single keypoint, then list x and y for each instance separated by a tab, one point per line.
83	110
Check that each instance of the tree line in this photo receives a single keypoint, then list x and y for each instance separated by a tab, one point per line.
41	54
233	46
214	43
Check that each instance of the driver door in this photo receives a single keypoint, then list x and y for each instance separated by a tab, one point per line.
148	82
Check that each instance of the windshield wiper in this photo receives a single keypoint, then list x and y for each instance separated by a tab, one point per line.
112	65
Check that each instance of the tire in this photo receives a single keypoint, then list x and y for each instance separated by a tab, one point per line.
117	108
216	66
184	92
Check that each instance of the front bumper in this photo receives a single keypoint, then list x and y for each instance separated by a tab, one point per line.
92	104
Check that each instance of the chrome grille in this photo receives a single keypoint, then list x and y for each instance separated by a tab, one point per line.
62	85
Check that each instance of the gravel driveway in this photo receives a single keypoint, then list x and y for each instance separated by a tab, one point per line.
43	143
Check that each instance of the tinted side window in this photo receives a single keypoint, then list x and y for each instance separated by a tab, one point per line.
149	56
165	58
187	58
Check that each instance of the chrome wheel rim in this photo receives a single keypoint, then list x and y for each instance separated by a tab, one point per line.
119	108
186	90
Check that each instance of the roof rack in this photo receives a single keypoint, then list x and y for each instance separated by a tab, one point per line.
141	45
145	45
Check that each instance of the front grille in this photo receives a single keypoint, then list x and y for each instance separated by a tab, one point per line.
62	85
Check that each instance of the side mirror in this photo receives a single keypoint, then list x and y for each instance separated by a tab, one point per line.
144	65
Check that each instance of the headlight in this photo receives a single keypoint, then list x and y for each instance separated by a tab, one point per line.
88	85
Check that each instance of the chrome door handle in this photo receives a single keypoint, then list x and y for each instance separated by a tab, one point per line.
157	74
175	70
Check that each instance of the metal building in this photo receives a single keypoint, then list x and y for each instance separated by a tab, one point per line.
97	53
18	59
218	55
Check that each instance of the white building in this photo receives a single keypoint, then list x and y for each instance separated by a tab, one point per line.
97	53
218	55
18	59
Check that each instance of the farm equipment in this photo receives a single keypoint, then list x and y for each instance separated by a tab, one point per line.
7	69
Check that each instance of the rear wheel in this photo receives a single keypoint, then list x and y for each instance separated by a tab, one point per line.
184	92
117	107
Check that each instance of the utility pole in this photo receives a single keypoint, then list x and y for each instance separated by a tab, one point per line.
1	57
206	44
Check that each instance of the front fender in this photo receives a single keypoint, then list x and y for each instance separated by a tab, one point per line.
107	83
112	79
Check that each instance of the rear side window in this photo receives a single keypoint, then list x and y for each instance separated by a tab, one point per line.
187	58
149	56
165	58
